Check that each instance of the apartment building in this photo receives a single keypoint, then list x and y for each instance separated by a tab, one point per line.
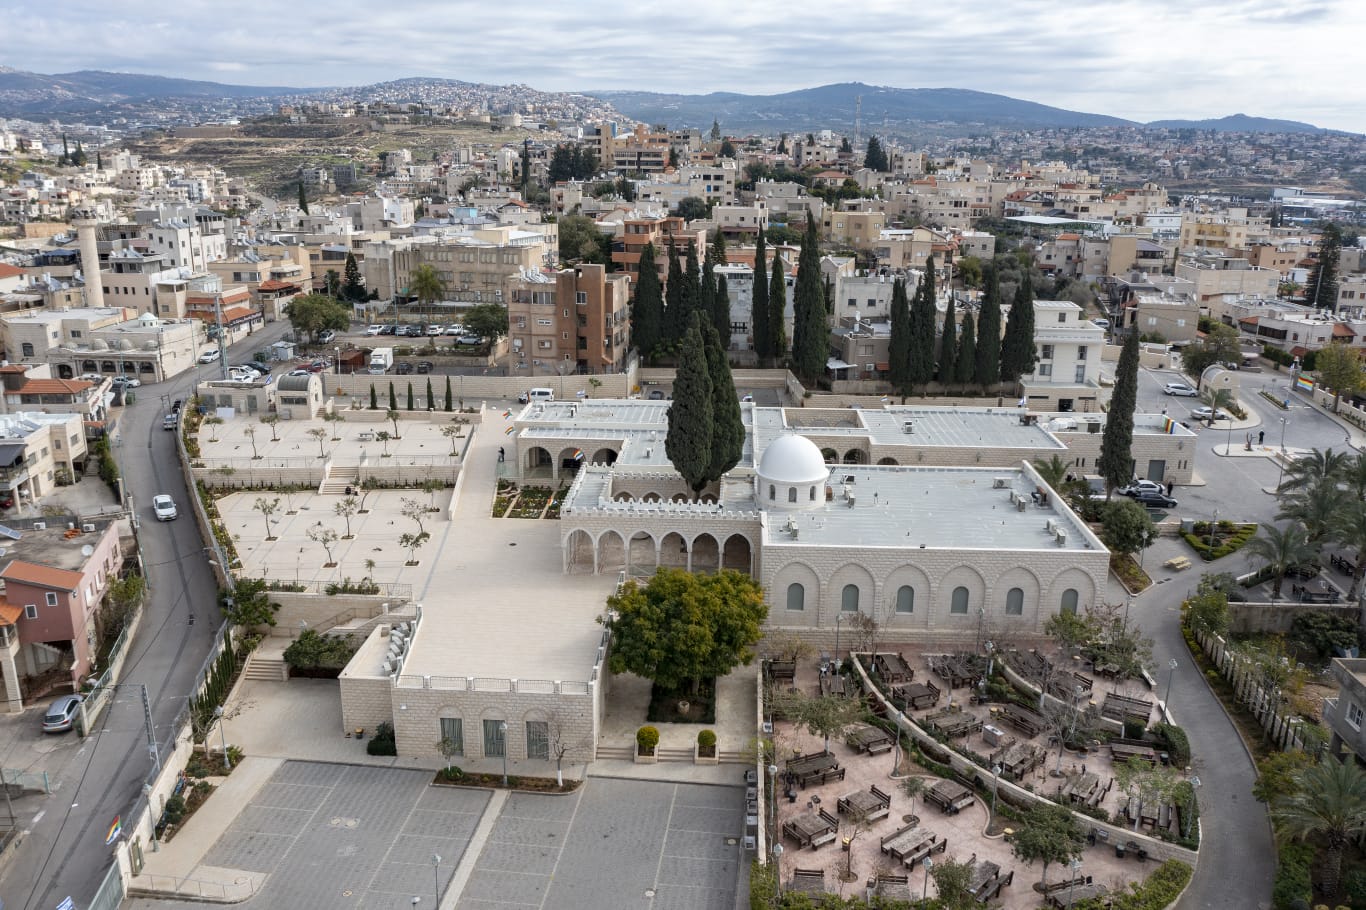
859	348
1217	276
643	230
1232	229
575	320
271	282
478	266
38	452
1282	257
1170	318
740	291
714	183
1067	374
858	229
32	387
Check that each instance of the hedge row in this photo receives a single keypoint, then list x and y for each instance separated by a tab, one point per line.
1233	540
1155	893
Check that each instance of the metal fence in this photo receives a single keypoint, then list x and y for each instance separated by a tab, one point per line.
110	894
26	780
195	889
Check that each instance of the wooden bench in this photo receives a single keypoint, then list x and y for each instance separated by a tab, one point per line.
867	806
782	670
950	796
820	777
890	887
1053	887
808	881
906	840
1024	720
913	859
1178	563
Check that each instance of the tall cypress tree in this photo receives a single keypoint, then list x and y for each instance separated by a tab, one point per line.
728	428
1018	355
1321	290
706	291
921	363
688	441
948	345
716	250
899	345
450	405
777	310
303	198
721	310
692	287
1116	462
674	327
410	396
647	311
393	399
811	328
988	371
965	364
758	309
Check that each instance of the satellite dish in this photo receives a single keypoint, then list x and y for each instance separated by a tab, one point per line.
87	550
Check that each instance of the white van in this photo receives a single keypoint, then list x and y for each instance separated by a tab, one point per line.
537	395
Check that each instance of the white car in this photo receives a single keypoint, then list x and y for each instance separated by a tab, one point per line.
373	329
299	373
164	507
1204	412
127	382
455	328
434	329
210	356
91	377
1181	389
470	339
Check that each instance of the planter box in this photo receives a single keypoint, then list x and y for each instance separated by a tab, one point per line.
699	759
652	759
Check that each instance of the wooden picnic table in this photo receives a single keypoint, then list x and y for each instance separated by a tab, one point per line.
782	669
957	724
832	684
918	695
1018	759
1026	721
985	880
807	764
807	881
958	670
908	841
1122	752
892	668
1079	788
950	796
812	829
869	739
1122	707
866	805
1075	894
890	887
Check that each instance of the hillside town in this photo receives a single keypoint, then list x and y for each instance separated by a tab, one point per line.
891	519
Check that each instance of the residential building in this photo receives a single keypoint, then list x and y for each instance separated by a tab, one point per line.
576	320
39	452
1219	276
1344	713
859	229
643	230
33	388
1066	376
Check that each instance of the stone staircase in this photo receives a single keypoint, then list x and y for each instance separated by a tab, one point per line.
617	753
628	753
361	626
271	669
338	478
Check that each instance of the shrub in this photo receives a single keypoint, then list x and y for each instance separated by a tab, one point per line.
646	740
382	743
706	739
1133	729
174	811
1174	738
1293	884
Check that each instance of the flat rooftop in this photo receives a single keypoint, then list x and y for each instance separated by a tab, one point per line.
930	508
50	547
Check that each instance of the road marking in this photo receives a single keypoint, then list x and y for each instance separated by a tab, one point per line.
39	817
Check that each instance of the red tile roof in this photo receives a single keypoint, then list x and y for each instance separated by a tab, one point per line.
54	386
9	271
1342	331
9	614
41	576
273	284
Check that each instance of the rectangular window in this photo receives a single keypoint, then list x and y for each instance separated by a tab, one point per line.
30	611
1353	714
1081	352
1045	369
1080	374
51	599
581	297
495	746
1062	317
538	739
453	729
1046	353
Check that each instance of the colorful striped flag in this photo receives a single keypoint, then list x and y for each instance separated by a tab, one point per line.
507	413
114	830
509	431
578	454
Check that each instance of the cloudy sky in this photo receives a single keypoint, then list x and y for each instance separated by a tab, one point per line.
1295	59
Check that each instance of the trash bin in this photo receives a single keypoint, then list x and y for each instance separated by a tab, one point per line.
1119	851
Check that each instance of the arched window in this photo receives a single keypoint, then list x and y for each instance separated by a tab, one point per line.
849	599
813	494
791	494
772	494
1015	602
796	596
959	602
905	599
1069	601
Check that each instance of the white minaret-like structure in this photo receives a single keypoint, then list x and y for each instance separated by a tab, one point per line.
90	261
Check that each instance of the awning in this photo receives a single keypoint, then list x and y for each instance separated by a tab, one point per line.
836	364
10	453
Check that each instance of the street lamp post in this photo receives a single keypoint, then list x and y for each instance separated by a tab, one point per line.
222	730
1171	671
336	364
1195	785
773	797
1280	470
995	778
1074	865
928	864
1214	524
436	876
503	732
839	617
778	868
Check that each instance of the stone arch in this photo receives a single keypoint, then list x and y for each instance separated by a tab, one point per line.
888	461
566	460
1068	579
708	497
651	496
849	574
64	371
605	456
536	461
623	496
611	552
798	573
509	738
679	497
967	577
580	553
738	554
673	551
830	456
919	582
855	456
1028	583
642	553
706	554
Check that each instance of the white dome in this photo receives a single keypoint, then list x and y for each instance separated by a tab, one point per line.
793	459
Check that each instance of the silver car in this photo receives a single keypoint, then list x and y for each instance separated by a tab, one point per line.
164	507
60	716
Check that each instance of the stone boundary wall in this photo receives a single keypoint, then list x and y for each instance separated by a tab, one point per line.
1277	618
475	388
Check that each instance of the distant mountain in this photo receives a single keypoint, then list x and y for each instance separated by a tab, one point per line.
833	106
1240	123
25	94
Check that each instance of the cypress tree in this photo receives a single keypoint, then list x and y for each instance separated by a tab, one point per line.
393	399
758	318
374	399
689	436
692	287
811	329
721	310
674	327
716	251
431	399
1018	355
706	292
921	363
410	396
728	428
988	371
303	198
1116	463
647	311
450	405
948	345
899	345
777	310
965	364
1321	290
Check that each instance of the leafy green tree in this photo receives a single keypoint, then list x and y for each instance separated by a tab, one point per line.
1321	290
777	310
821	715
353	288
1278	775
948	345
1220	345
1282	549
1339	368
845	147
681	628
988	372
487	320
1116	461
920	367
763	339
811	330
875	158
311	314
691	208
728	427
582	241
688	442
727	149
965	361
1048	834
1207	609
899	344
303	198
952	884
647	310
1328	808
1018	354
970	271
1126	527
249	604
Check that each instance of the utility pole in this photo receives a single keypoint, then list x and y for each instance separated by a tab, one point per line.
151	730
222	345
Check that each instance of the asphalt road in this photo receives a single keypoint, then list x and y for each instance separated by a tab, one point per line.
64	853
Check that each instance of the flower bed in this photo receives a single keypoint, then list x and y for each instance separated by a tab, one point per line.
1228	538
1129	573
460	778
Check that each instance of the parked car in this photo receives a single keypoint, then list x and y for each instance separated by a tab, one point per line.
300	373
1204	412
412	331
374	329
388	330
1141	486
91	377
403	369
256	368
424	366
1181	389
656	395
470	339
210	356
60	716
1155	500
1102	322
164	507
435	329
326	336
319	365
127	382
455	328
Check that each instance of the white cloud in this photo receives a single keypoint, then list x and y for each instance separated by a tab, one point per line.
1142	59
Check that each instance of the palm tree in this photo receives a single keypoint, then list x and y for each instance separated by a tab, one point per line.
1315	507
1053	471
426	285
1329	806
1350	530
1282	548
1216	400
1308	470
1354	476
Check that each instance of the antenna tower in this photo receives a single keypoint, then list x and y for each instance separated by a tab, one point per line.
858	121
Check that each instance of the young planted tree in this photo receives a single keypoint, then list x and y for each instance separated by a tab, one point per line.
213	423
412	543
452	432
821	715
763	343
430	401
336	420
688	441
345	509
393	416
415	511
267	508
383	437
1116	461
250	433
326	538
321	435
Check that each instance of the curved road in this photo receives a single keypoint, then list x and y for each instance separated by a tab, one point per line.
64	854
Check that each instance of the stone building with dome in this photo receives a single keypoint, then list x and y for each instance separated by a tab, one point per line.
104	341
931	551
